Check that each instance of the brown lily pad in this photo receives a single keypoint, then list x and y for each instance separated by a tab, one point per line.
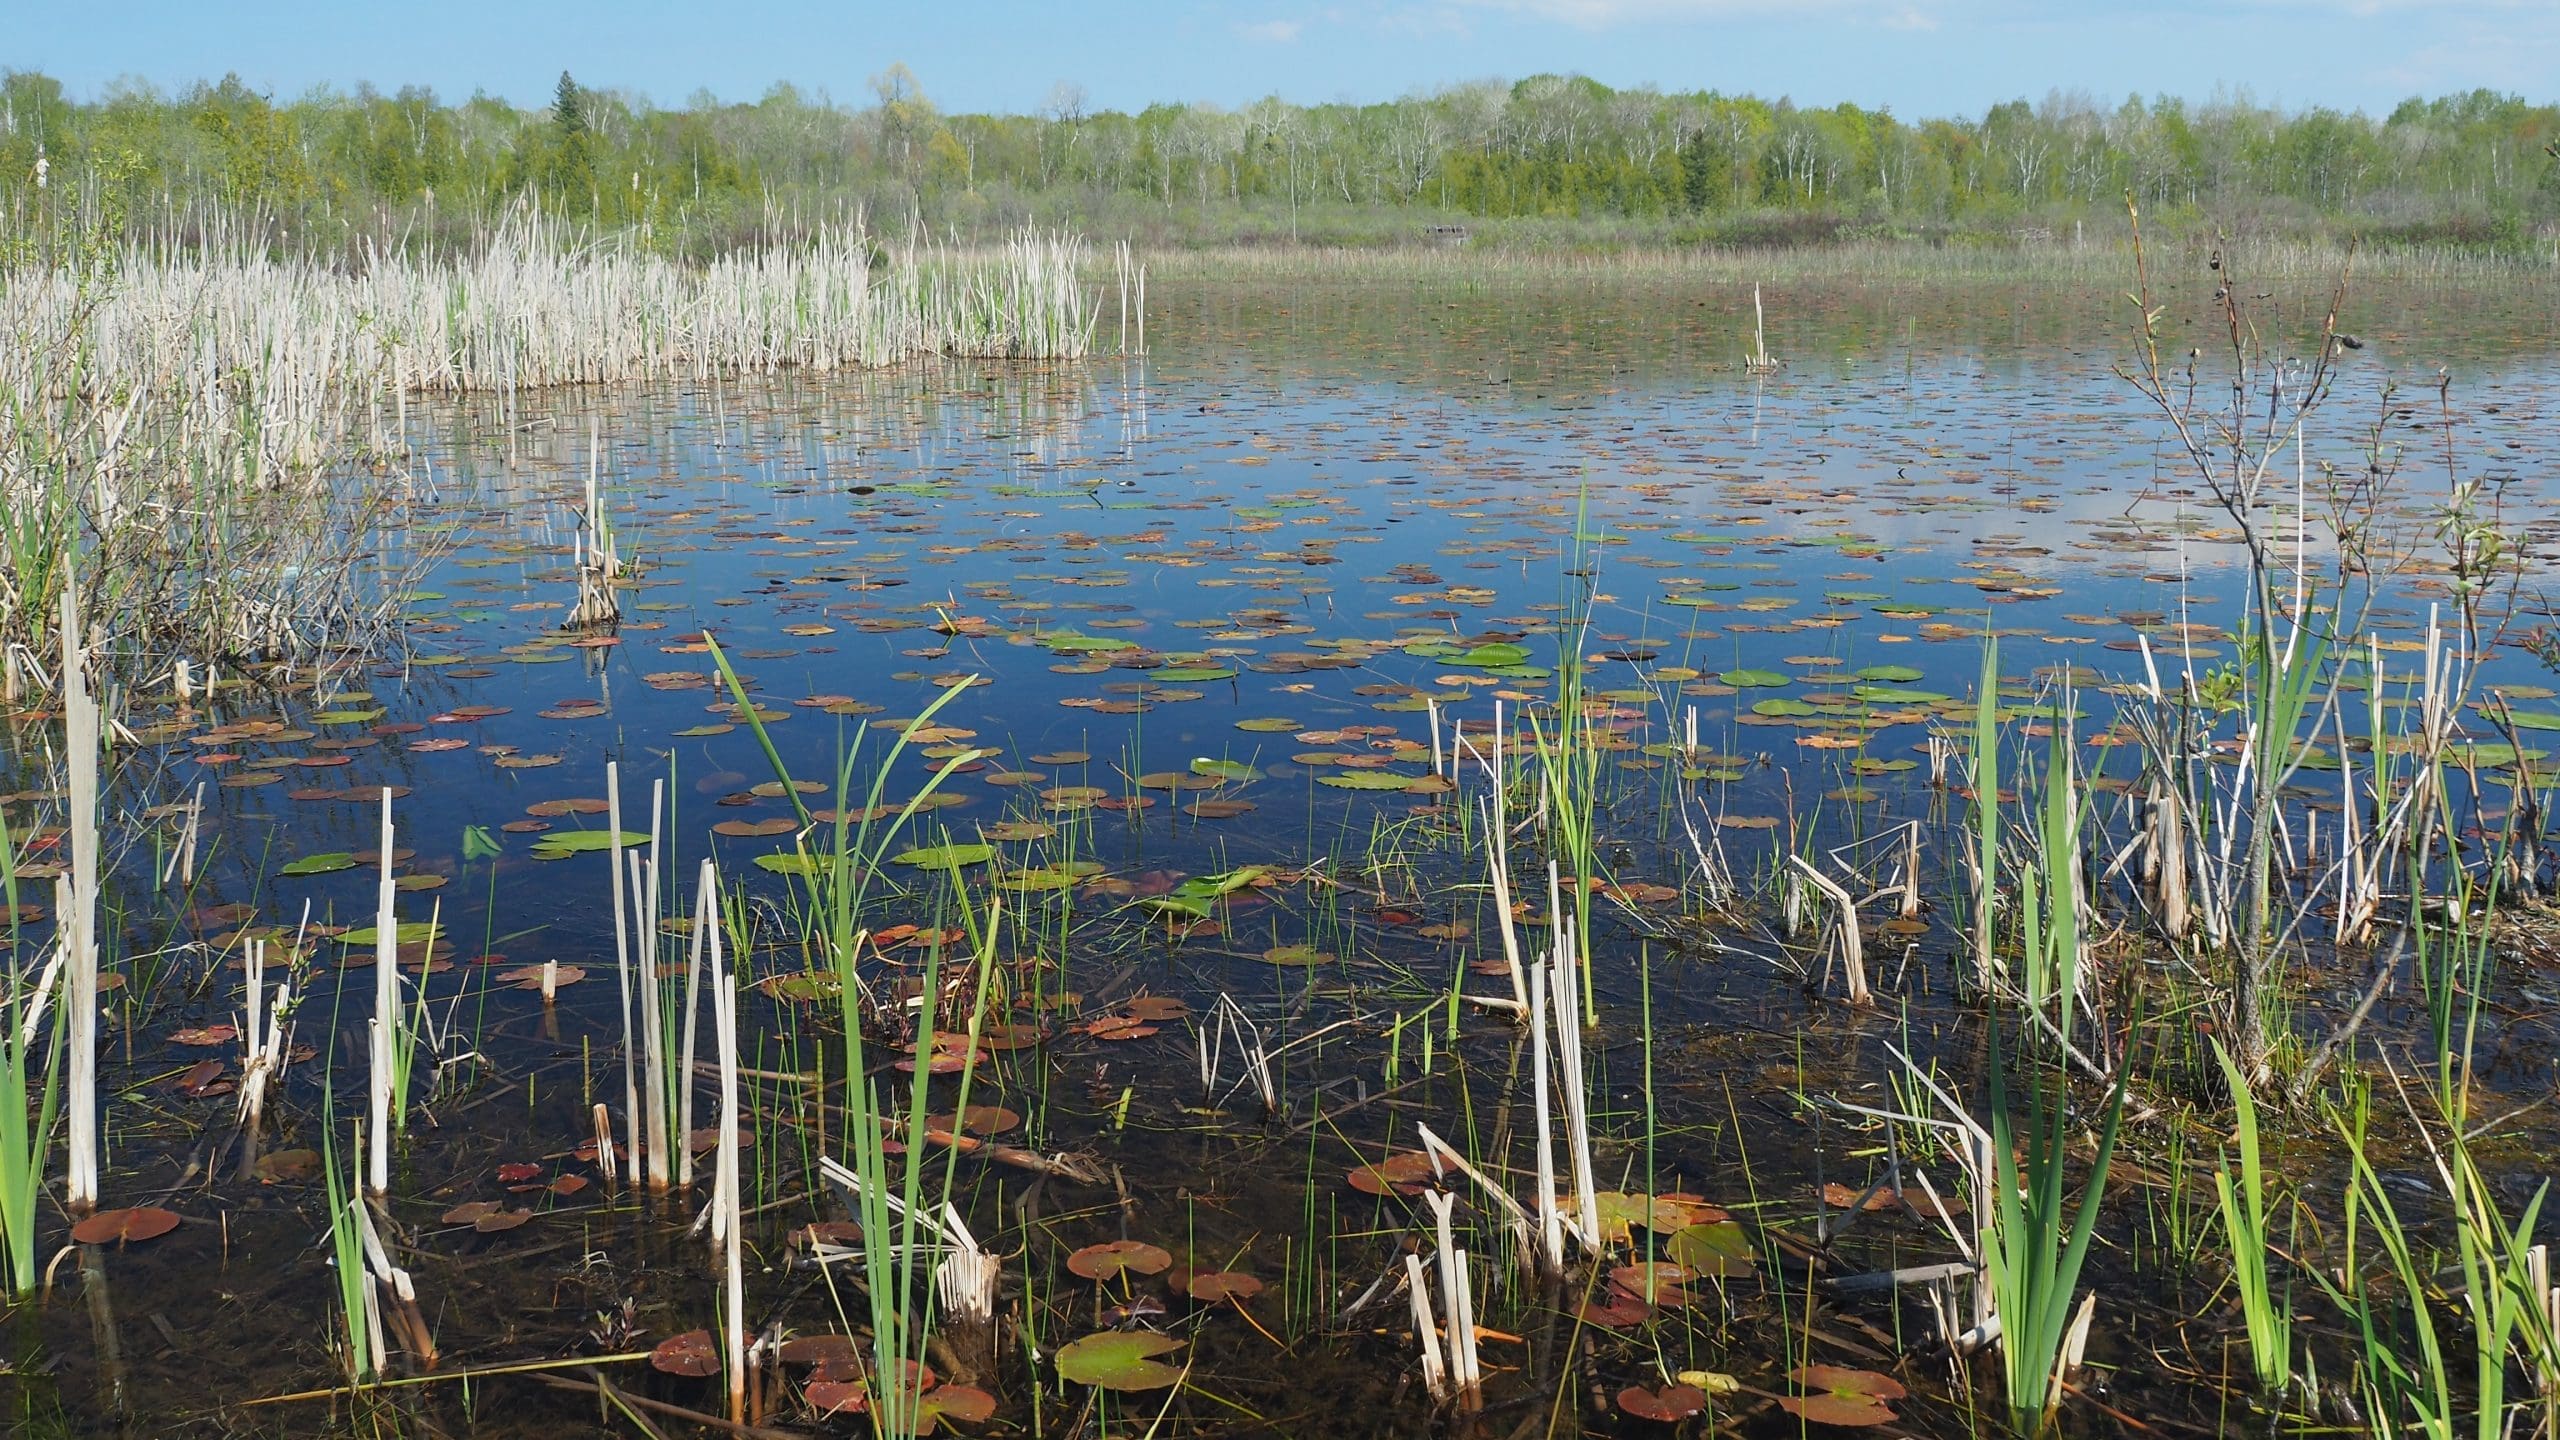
125	1227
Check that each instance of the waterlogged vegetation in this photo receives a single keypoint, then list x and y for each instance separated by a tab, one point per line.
1443	854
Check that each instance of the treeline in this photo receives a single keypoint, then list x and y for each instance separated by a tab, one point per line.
1560	155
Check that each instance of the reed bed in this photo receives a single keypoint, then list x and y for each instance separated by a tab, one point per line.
224	430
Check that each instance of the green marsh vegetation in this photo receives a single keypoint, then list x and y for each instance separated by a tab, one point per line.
220	436
1542	162
1121	940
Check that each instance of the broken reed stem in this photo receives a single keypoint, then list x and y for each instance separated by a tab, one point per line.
653	1084
1435	1370
606	1164
1465	1374
1567	1018
706	917
1911	871
267	1056
415	1336
1550	1221
384	1031
1852	947
80	728
653	1000
622	970
727	1219
1498	826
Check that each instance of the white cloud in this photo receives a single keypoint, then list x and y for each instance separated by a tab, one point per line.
1271	32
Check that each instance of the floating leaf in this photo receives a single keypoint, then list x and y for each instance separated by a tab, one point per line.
561	844
690	1354
1405	1173
322	864
1718	1248
287	1167
1668	1404
125	1227
1120	1360
946	857
963	1404
1219	1285
1118	1257
1367	780
1837	1395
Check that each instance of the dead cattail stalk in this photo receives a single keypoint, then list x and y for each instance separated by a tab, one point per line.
79	919
1851	947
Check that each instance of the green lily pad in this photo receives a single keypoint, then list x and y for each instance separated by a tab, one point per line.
561	844
945	857
1720	1247
1365	780
414	932
1120	1360
1754	679
1074	644
323	864
1495	656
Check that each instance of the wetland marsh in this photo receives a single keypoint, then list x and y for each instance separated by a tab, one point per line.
1144	747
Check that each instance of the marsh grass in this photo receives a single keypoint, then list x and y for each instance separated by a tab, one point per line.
2241	1194
2038	1244
223	433
30	1088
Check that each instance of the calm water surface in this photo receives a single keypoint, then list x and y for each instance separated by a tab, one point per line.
1200	611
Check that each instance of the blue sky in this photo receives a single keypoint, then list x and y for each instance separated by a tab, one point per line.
1922	57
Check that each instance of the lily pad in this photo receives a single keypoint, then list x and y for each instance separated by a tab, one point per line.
1718	1248
1838	1395
326	863
561	844
1119	1257
1120	1360
125	1227
1669	1404
946	857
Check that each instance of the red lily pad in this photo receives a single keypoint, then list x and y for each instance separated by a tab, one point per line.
1119	1257
1407	1172
1669	1404
1838	1395
125	1227
692	1353
1220	1285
